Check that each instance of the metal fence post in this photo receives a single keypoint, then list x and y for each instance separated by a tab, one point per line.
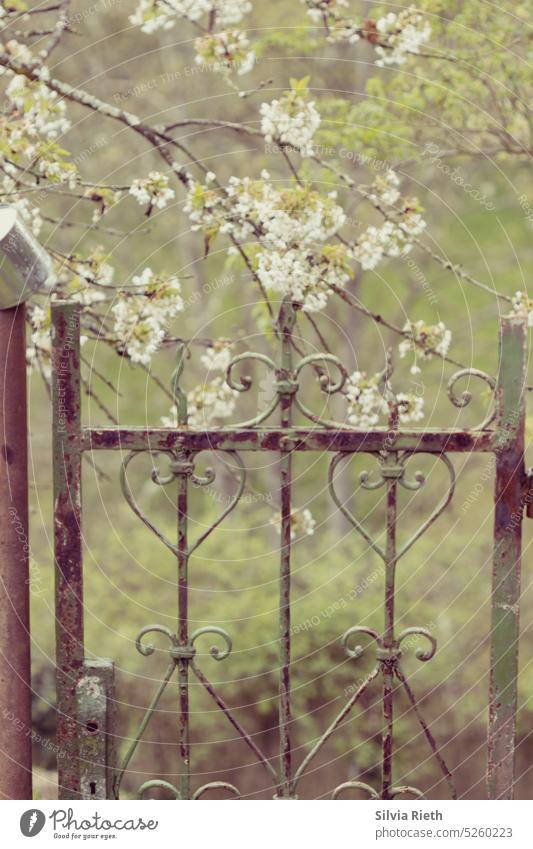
66	405
25	267
508	513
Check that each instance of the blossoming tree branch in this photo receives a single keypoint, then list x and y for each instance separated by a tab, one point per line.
292	233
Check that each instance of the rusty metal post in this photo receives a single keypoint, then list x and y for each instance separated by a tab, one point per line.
508	514
66	403
15	685
25	267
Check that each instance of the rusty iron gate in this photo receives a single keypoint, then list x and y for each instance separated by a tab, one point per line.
88	766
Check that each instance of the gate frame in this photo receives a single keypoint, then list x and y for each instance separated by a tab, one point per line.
71	440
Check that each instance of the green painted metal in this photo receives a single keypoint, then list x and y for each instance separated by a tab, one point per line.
393	449
509	494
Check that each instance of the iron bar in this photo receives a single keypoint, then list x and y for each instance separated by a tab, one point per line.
287	318
505	601
66	406
265	439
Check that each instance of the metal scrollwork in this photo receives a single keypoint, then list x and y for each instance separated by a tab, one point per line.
422	655
358	650
215	651
147	650
245	383
396	472
355	785
464	399
216	785
159	784
181	466
403	790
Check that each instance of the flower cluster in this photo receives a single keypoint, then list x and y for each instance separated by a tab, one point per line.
43	113
394	237
152	15
212	400
30	128
225	52
217	357
365	399
410	407
86	280
306	274
425	340
367	405
141	317
318	10
521	304
292	120
302	522
400	34
292	227
329	13
385	189
152	191
378	242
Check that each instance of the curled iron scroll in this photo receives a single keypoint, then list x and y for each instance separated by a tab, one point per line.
464	399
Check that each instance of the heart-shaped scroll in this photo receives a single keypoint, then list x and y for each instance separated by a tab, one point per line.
406	484
165	480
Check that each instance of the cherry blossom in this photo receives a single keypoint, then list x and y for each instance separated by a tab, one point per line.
212	400
152	15
384	190
292	120
522	303
425	340
292	227
367	404
401	34
365	399
142	317
152	191
225	52
301	521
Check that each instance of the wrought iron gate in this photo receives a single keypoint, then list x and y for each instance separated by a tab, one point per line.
88	767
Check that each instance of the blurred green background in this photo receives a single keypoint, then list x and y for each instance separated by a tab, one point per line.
444	581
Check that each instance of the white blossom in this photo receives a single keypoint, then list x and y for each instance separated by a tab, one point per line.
292	227
318	9
152	15
410	407
401	34
207	404
152	190
217	357
43	113
365	400
301	522
367	405
141	318
425	340
523	304
384	190
392	239
292	120
225	52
